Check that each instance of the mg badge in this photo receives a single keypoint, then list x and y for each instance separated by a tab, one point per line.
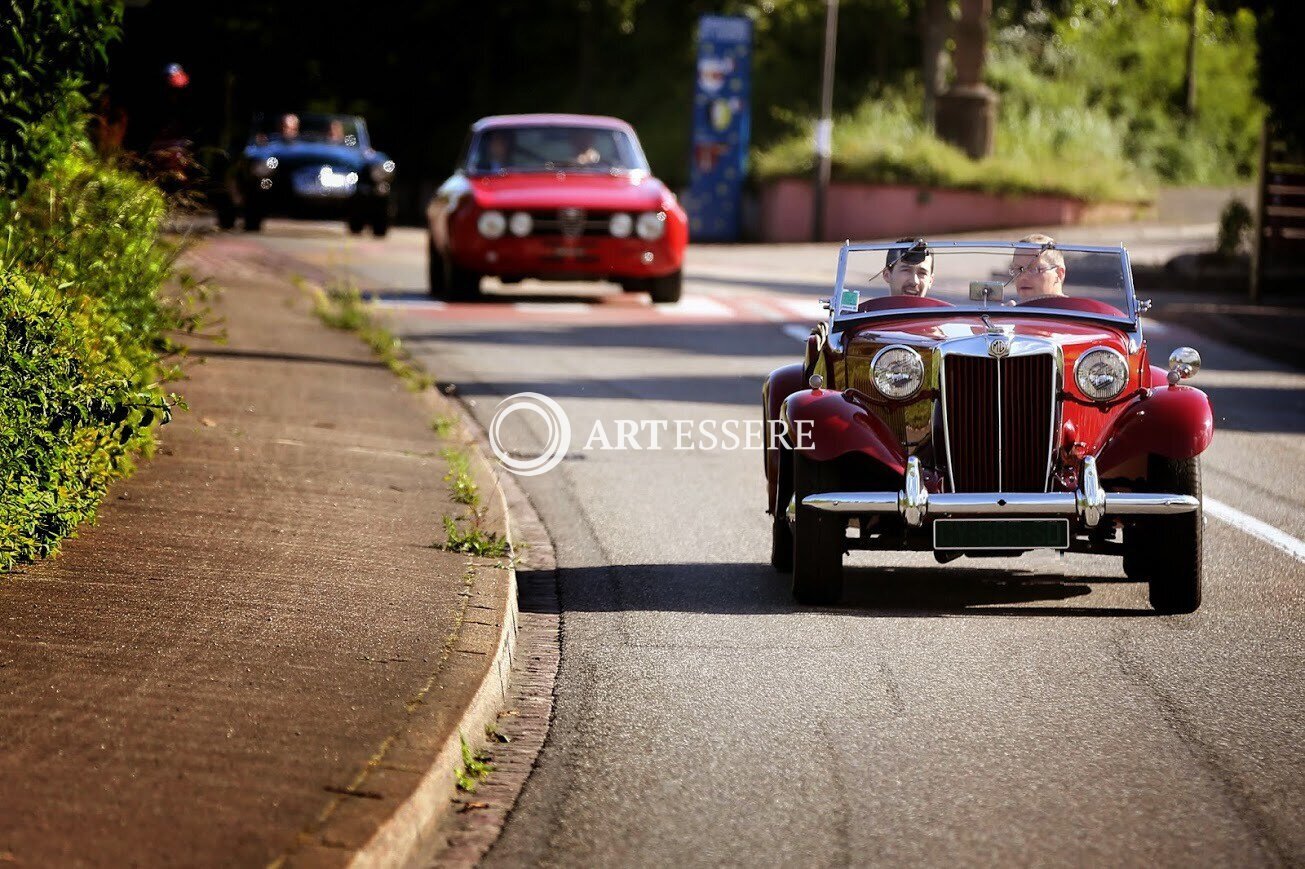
999	347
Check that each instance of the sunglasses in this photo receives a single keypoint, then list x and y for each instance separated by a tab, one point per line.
1031	268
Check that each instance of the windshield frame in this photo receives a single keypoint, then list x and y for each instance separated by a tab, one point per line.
840	322
467	165
256	127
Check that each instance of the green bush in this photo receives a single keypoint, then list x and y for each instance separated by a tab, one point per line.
1125	60
84	337
48	49
1053	151
1088	108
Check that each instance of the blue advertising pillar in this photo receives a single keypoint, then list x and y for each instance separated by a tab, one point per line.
722	113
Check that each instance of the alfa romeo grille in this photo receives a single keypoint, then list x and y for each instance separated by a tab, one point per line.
999	417
570	222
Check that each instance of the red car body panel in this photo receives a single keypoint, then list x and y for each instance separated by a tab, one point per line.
781	383
840	427
593	255
1149	417
1176	422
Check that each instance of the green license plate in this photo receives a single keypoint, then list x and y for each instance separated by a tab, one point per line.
1001	534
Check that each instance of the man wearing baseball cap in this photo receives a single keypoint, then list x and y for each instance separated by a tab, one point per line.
909	271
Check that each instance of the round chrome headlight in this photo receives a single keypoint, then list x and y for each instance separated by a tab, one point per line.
898	372
521	224
264	168
1102	373
382	171
491	224
651	225
621	225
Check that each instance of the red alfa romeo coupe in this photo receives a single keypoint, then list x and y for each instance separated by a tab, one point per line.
555	197
987	399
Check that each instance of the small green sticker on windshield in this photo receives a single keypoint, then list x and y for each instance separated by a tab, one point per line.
851	300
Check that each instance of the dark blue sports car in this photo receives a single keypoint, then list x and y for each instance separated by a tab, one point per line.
311	166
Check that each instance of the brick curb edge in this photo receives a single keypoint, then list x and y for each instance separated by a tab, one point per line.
409	830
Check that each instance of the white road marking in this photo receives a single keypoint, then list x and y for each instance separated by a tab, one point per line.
765	312
1263	530
433	304
552	307
805	309
698	306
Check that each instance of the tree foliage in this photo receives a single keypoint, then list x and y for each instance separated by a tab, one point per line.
49	49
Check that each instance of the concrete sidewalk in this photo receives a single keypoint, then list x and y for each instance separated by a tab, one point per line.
256	653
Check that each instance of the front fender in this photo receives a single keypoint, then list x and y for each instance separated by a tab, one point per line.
824	425
781	383
1176	422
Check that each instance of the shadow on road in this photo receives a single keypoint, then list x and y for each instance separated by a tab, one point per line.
895	592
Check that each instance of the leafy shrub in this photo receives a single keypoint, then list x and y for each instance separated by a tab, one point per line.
47	50
1088	109
1235	223
1048	151
84	341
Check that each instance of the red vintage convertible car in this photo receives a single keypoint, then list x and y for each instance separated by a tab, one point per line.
557	197
1000	400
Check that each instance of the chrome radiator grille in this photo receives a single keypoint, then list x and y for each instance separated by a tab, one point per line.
571	222
999	416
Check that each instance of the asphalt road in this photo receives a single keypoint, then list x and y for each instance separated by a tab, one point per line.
1029	711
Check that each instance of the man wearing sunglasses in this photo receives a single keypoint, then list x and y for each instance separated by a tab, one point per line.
1038	274
909	272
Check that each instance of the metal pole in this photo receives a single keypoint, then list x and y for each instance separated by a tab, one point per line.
1261	203
1189	79
825	126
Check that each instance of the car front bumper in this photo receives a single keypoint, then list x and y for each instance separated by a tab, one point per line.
1090	504
557	258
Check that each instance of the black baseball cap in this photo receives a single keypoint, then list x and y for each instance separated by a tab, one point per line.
914	255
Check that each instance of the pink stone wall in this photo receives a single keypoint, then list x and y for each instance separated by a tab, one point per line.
868	211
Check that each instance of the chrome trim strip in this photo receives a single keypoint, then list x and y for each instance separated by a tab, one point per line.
1005	503
913	501
1129	290
940	367
999	418
1091	497
855	502
1057	412
1007	245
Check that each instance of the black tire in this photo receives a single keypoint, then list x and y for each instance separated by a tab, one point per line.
1171	550
460	284
381	225
434	269
226	217
819	539
253	219
781	533
666	290
633	286
357	223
